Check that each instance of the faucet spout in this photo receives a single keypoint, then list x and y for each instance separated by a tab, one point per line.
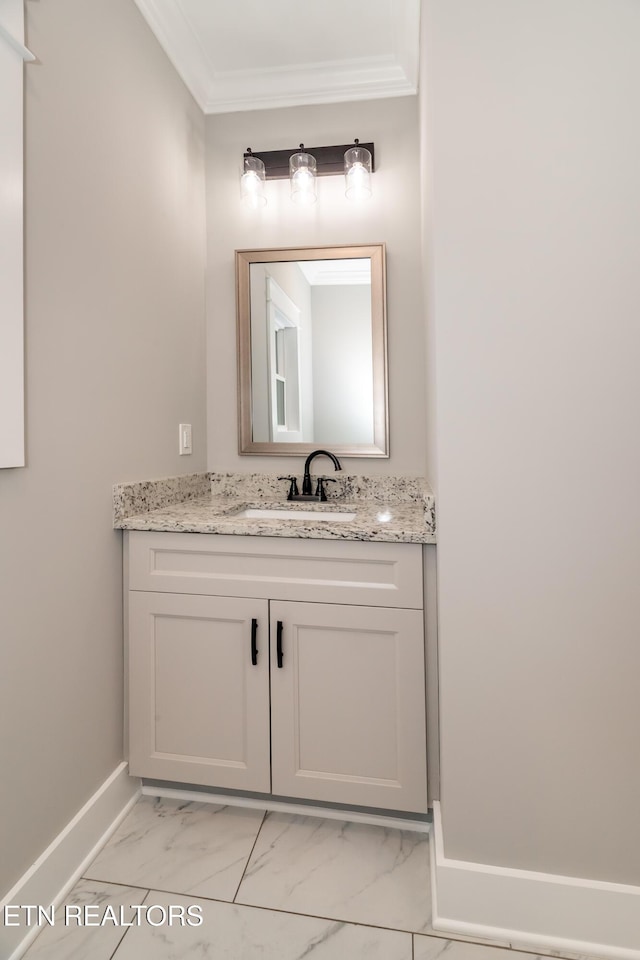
306	480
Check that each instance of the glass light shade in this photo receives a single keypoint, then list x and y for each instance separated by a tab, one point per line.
357	173
252	183
302	175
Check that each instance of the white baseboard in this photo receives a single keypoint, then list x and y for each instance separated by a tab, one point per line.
55	872
280	806
532	910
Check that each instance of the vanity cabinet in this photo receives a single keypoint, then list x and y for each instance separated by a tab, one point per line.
284	666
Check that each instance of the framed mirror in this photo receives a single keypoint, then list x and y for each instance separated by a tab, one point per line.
312	351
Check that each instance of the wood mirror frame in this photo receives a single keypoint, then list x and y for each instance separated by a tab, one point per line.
376	253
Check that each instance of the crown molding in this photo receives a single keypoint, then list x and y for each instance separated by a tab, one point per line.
333	82
182	47
406	43
323	273
392	75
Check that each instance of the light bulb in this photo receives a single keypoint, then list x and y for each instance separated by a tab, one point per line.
357	173
302	174
252	183
303	189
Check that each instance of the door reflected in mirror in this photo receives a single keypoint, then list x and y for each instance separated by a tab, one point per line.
312	350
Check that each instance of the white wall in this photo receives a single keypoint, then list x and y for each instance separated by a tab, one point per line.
293	283
534	150
291	279
392	216
11	238
342	364
114	361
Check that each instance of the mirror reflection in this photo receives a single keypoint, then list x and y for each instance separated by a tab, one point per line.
312	350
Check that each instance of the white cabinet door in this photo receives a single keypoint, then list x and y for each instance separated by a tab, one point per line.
199	706
347	705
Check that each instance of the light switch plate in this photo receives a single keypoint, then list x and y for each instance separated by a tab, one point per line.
185	442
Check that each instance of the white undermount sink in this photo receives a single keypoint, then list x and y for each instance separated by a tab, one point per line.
285	514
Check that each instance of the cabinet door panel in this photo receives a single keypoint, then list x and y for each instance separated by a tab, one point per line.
348	707
199	708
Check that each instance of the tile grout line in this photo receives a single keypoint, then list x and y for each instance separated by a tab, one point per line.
118	883
264	817
312	916
120	941
342	921
413	934
288	913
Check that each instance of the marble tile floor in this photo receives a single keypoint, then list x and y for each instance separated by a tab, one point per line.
198	881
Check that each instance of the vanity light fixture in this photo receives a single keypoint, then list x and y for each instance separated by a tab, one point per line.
357	172
252	181
355	161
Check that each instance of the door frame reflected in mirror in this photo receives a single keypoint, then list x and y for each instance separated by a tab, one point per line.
377	255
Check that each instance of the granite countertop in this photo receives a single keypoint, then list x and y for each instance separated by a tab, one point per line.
400	510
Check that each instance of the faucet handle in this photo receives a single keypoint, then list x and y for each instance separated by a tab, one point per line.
320	490
293	489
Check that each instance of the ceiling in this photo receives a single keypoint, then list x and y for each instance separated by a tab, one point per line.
256	54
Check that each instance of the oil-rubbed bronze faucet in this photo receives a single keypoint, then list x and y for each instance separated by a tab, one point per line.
320	495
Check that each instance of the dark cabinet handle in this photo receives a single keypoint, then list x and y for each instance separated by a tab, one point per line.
254	647
279	653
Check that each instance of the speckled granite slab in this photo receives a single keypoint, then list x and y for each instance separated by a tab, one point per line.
345	487
131	499
399	522
393	509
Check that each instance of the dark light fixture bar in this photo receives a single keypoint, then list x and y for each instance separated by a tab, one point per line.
330	160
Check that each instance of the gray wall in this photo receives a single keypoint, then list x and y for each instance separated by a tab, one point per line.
534	235
392	216
114	361
342	364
